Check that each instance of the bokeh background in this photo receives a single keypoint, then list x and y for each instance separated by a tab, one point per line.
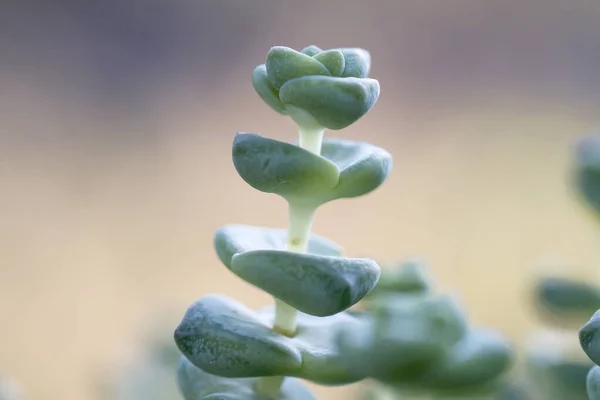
116	121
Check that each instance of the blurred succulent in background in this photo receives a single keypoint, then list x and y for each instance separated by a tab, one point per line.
9	389
149	377
230	352
416	343
586	173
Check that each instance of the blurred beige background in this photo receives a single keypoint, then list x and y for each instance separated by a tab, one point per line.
116	121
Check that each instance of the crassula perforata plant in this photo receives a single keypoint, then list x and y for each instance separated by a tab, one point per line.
232	352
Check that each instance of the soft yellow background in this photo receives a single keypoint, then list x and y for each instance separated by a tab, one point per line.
106	219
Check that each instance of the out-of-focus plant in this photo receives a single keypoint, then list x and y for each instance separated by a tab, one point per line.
149	377
586	173
417	343
9	389
555	368
232	352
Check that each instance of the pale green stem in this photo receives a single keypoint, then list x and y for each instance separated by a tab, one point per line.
269	386
311	139
300	222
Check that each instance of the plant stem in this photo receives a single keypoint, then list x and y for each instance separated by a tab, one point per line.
269	386
300	222
311	139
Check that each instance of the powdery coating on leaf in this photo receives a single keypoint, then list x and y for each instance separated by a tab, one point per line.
311	354
221	337
334	103
273	166
345	168
236	238
291	83
316	285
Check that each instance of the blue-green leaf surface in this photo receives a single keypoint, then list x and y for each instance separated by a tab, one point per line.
196	384
345	168
225	338
315	284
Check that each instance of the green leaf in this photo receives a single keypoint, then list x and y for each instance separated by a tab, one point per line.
265	89
565	296
589	338
224	338
311	50
345	168
593	383
277	167
195	384
235	238
481	357
405	337
284	64
363	167
358	62
318	283
335	103
333	60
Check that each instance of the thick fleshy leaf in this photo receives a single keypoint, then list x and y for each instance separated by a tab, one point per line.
283	168
222	337
593	383
405	337
195	384
225	338
565	296
265	89
316	285
319	282
345	168
363	167
333	60
589	338
481	357
358	62
235	239
311	50
284	64
334	103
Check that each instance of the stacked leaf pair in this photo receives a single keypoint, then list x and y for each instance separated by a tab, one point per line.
418	343
587	181
232	352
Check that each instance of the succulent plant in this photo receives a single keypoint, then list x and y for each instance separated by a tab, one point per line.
232	352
